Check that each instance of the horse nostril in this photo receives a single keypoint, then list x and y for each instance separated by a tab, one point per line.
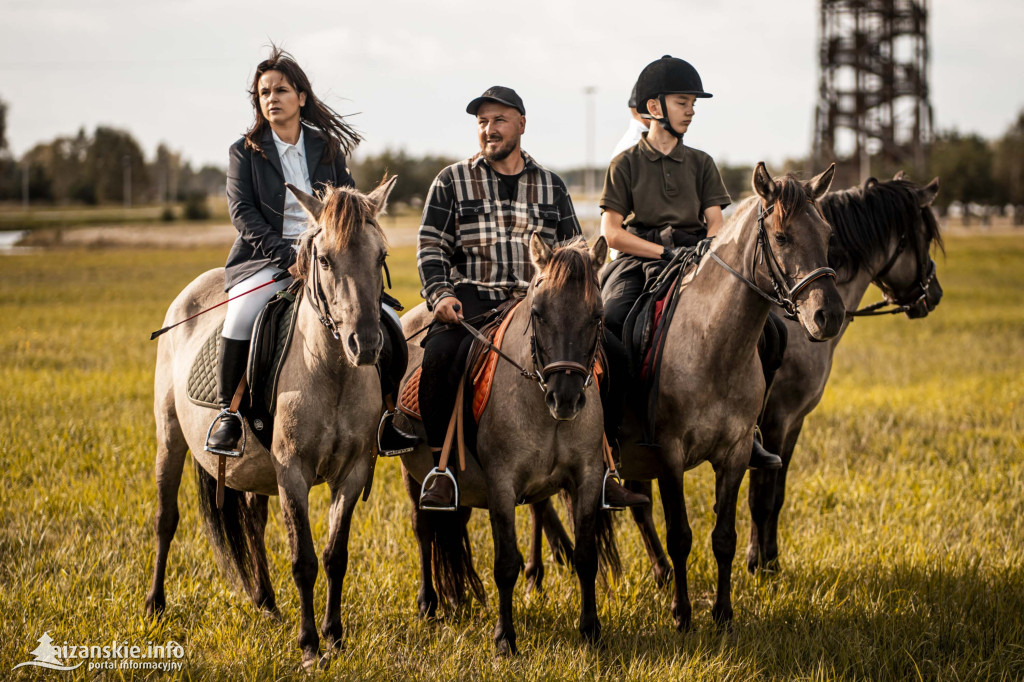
353	344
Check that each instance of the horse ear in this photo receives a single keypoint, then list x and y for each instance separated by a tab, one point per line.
379	196
539	251
926	195
898	176
599	253
763	184
309	202
819	184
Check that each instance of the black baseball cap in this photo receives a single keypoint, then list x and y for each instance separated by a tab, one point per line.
501	95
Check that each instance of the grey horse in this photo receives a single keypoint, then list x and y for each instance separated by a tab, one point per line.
324	423
530	443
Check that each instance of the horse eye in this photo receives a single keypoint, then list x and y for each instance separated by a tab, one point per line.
324	263
780	238
537	316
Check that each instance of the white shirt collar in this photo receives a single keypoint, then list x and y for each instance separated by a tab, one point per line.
283	146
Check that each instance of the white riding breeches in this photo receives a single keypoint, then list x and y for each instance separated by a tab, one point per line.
242	312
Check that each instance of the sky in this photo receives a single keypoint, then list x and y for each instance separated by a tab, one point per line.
177	71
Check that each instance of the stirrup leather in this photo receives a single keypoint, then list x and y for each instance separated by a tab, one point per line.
437	473
239	448
386	419
614	475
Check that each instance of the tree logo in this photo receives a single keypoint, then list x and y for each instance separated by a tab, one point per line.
46	656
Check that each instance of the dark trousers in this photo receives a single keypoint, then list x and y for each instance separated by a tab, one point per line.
619	293
444	362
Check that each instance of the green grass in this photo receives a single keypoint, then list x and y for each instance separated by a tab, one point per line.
901	537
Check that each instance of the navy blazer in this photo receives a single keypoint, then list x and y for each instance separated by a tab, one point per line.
256	190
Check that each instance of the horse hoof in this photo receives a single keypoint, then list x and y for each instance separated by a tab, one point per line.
155	606
534	577
682	617
505	648
427	605
663	576
273	615
591	633
722	615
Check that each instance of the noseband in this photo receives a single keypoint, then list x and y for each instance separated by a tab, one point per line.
891	304
784	297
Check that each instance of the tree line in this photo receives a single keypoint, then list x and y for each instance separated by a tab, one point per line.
108	166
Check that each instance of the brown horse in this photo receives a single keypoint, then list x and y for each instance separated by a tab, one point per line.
882	233
325	422
530	443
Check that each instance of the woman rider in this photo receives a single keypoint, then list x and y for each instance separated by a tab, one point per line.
294	138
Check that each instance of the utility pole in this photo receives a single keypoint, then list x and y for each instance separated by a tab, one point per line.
588	172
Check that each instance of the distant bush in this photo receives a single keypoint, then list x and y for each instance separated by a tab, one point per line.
195	207
167	215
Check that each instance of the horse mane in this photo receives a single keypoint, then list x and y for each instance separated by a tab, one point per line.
345	211
571	263
863	218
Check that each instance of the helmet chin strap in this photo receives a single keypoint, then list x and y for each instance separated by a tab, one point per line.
664	119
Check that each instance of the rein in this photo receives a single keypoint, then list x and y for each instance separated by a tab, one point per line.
783	297
542	376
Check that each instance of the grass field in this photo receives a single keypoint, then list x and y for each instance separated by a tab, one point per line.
902	534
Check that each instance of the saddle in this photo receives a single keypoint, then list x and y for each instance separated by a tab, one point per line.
645	329
272	337
480	364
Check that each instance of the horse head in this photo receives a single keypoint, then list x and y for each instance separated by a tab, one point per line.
794	255
566	312
341	261
909	278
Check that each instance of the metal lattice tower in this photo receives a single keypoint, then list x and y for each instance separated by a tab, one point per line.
873	101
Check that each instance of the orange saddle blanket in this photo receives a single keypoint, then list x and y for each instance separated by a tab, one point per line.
483	378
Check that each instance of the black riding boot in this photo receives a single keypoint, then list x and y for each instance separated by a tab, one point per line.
234	356
613	403
439	493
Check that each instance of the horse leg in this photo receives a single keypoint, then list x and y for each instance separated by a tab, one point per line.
678	539
426	598
728	477
554	531
264	595
585	504
294	492
535	566
170	462
344	495
644	519
766	497
508	562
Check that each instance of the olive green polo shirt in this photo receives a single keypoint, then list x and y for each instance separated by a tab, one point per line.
654	190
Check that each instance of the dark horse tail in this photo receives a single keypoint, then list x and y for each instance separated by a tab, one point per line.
608	559
451	554
236	532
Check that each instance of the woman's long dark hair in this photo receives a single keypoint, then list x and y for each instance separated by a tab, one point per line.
340	135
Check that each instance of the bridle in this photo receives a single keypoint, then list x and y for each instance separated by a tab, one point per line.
546	371
784	296
891	304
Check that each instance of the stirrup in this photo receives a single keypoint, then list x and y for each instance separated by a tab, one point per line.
239	447
437	473
613	474
386	419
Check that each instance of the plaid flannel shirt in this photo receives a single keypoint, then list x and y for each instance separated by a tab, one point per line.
468	235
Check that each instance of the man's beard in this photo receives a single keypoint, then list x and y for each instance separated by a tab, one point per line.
500	152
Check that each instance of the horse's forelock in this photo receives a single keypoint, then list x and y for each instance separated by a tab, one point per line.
791	199
569	264
345	212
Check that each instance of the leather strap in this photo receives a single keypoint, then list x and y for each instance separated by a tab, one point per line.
236	402
454	425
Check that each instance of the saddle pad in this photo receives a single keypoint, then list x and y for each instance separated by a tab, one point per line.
483	378
201	388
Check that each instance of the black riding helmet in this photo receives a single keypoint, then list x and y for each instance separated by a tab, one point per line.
667	76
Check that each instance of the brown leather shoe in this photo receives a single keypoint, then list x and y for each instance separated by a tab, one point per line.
439	495
762	459
617	497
